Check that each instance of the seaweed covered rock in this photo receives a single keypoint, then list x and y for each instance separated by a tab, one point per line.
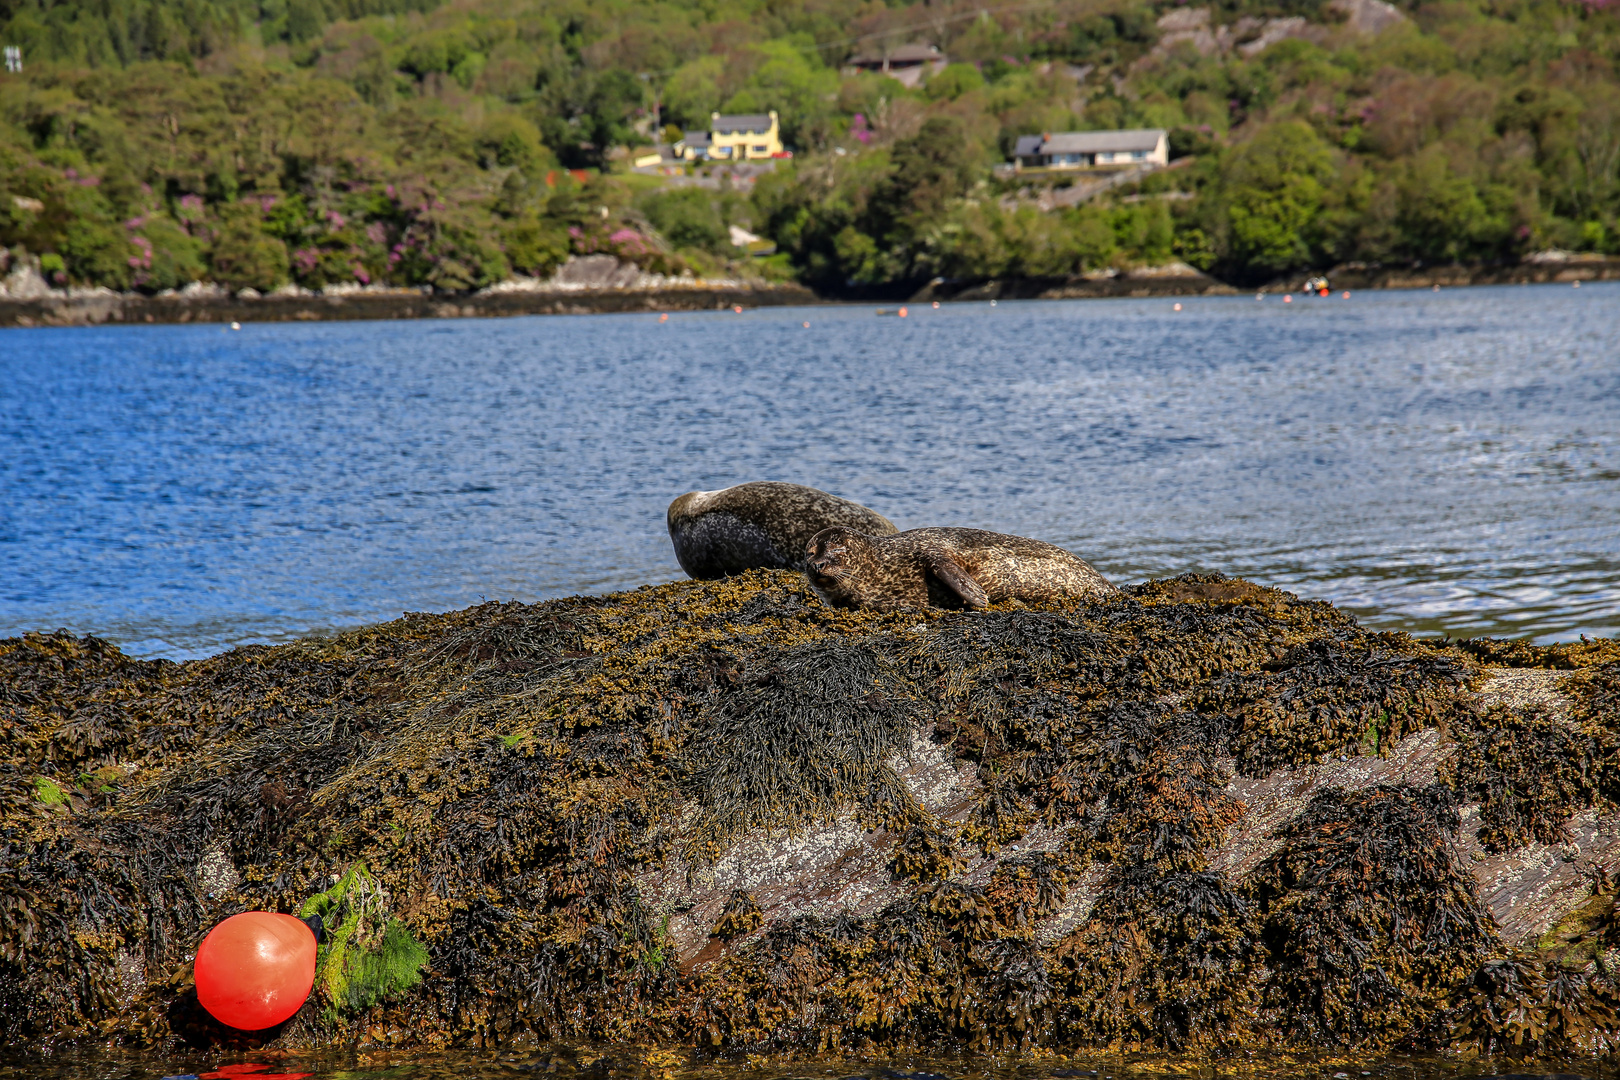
1202	814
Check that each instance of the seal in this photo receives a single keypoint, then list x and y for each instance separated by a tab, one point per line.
944	568
764	524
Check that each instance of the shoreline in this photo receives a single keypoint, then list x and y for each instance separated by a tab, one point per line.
1145	283
97	310
134	309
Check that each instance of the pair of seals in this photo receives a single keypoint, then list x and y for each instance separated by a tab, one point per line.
945	568
765	524
854	557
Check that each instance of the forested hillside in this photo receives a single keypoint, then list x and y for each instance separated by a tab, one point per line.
149	143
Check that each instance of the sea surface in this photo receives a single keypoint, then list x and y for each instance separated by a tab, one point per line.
1443	463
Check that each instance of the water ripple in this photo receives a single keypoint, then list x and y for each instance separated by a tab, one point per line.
1441	463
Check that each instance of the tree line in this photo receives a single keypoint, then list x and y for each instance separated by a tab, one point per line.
151	143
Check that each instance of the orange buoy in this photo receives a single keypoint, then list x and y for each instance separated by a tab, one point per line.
1288	299
257	1072
902	313
254	970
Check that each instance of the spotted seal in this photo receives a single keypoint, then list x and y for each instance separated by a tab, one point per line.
944	568
765	523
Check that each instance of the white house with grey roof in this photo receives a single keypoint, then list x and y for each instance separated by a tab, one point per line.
1092	149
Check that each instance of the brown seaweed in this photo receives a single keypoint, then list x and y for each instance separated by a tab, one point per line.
510	773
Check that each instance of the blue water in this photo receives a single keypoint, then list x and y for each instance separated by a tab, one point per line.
1438	462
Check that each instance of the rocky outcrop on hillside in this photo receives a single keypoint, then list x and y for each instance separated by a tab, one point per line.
1250	35
1201	815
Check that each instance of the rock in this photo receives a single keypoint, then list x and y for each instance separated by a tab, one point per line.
1368	17
595	272
1173	269
1277	30
25	283
720	814
1250	35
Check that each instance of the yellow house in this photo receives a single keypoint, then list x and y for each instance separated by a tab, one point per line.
744	137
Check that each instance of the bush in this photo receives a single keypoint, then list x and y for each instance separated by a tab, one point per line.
687	218
509	140
243	256
167	257
535	246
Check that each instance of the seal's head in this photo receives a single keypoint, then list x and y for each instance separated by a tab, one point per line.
685	508
834	561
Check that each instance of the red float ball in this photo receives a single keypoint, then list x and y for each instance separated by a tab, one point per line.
254	970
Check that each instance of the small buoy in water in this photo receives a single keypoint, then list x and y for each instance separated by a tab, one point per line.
254	970
737	308
1437	286
1577	284
1324	291
1347	294
1288	298
1178	307
1259	296
936	305
992	303
807	326
236	326
664	317
902	313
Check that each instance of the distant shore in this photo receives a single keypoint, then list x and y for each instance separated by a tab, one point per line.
1185	281
105	307
401	304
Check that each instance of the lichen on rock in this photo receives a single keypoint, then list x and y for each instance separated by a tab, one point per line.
1202	814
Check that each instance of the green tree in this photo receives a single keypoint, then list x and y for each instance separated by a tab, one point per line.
687	218
244	256
534	245
1442	216
507	139
954	81
929	169
1273	188
167	256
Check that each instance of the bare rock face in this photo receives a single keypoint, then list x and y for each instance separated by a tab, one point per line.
1250	35
1203	813
24	283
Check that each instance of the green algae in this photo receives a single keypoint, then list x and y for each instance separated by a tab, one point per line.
368	956
48	792
491	783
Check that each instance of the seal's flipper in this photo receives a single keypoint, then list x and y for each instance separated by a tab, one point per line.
950	574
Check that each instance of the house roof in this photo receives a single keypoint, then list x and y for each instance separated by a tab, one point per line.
901	54
697	139
1089	142
741	122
